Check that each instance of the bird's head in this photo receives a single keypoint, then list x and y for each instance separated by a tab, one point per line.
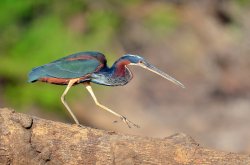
139	61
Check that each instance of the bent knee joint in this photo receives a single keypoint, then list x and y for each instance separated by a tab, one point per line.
62	98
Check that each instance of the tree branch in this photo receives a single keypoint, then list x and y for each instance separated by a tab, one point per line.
26	140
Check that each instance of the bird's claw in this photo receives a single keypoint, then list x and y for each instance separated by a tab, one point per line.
128	122
78	125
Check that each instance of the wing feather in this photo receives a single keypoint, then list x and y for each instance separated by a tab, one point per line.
71	69
73	66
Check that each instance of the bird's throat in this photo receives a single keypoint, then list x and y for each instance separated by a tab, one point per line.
120	69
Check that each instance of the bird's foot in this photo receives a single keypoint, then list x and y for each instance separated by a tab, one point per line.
128	122
78	125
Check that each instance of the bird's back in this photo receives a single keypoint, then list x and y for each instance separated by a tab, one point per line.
73	66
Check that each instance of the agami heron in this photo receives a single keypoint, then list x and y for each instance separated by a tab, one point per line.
87	67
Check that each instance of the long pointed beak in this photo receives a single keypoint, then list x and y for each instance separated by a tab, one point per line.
155	70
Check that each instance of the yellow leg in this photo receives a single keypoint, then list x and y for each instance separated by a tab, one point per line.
71	82
124	119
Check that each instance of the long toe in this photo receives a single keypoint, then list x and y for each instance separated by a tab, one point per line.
128	122
135	125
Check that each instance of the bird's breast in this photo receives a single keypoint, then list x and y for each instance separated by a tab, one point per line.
111	79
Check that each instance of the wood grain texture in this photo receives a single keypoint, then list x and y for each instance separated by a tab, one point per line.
27	140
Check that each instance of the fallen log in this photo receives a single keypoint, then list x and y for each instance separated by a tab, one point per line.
27	140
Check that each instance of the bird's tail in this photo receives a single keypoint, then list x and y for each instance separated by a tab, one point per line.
35	74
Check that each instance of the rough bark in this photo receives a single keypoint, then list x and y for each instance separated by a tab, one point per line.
27	140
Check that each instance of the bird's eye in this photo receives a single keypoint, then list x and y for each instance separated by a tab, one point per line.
140	62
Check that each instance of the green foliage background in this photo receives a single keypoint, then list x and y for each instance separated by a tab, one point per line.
36	32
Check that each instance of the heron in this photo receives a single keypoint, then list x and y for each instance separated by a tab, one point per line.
91	67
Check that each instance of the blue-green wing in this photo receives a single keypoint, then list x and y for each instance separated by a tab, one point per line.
73	66
71	69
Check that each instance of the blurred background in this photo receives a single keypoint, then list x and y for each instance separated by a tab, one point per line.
204	44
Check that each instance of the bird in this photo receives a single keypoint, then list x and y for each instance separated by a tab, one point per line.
91	67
